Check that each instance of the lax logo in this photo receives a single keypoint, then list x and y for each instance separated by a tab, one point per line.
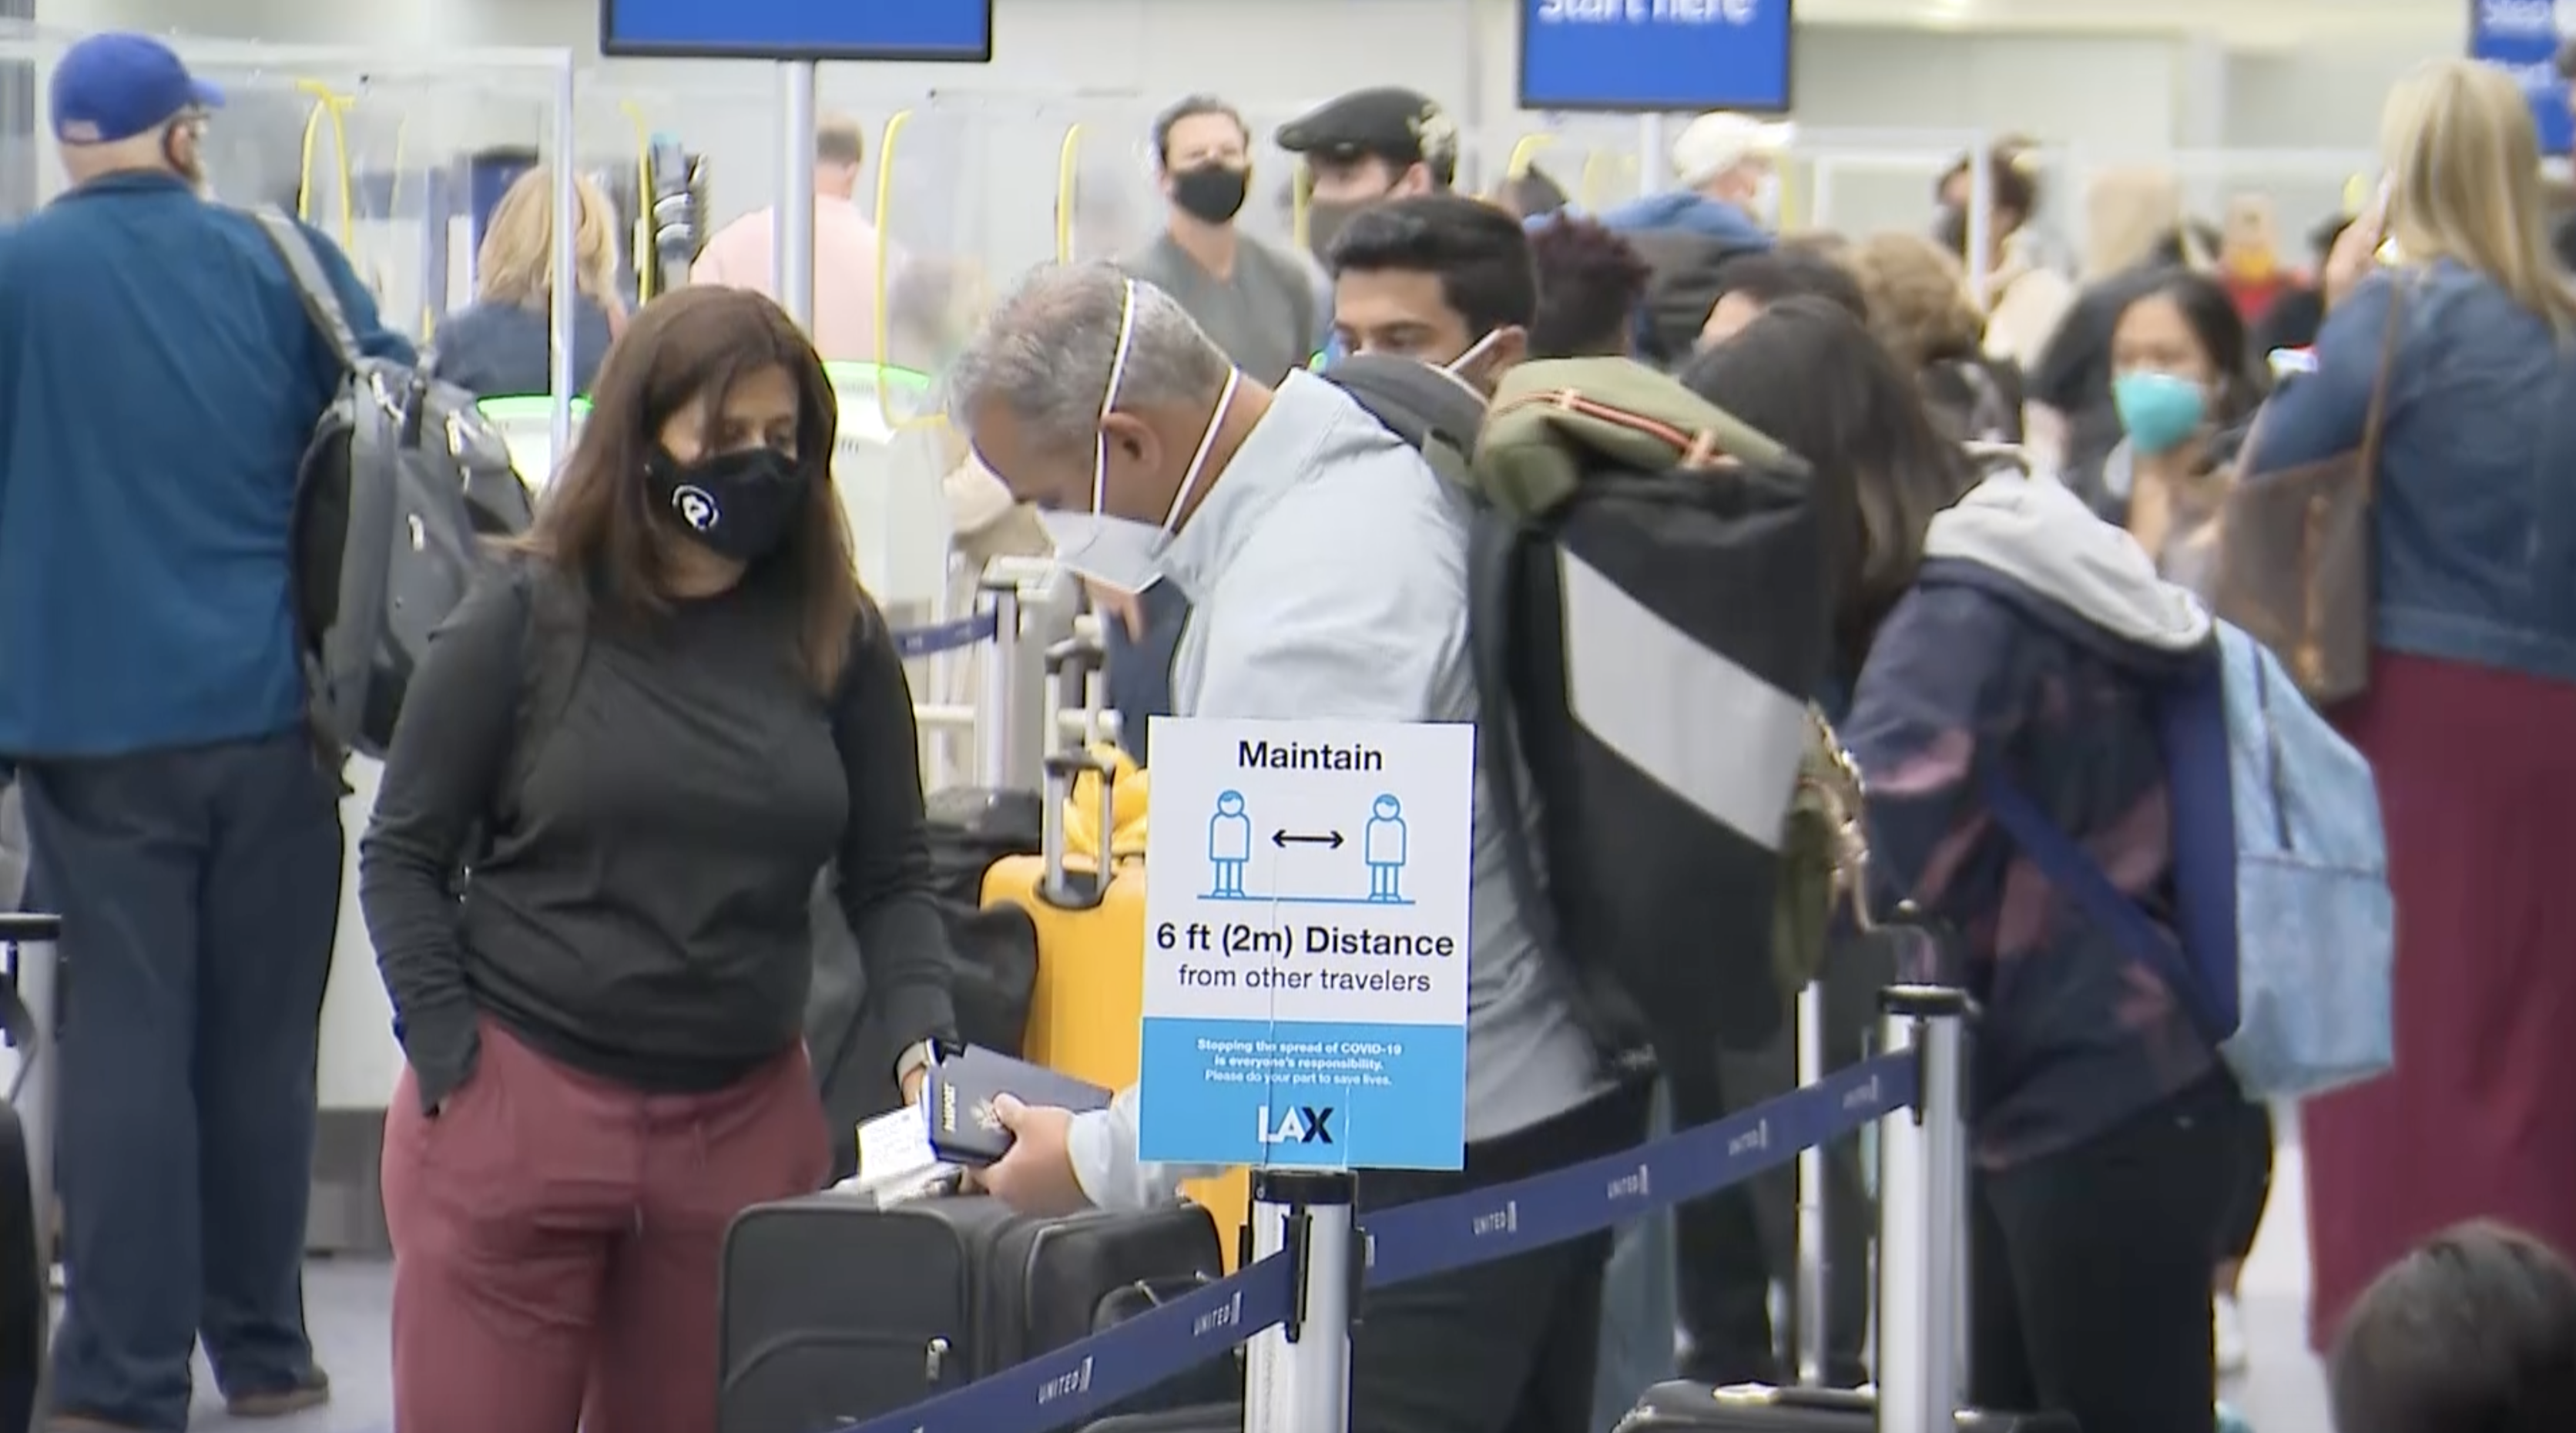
697	508
1297	1126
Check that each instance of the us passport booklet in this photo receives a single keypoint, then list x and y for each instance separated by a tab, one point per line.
962	1086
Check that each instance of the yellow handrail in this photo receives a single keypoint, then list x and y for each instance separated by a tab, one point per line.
1589	187
885	285
642	238
1301	204
331	105
1524	154
1068	170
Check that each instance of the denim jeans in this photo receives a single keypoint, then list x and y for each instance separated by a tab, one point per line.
200	895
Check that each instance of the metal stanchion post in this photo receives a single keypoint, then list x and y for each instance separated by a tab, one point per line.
1814	1251
997	690
1922	1249
793	243
1299	1380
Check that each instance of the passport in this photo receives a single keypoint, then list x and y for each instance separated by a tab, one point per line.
961	1089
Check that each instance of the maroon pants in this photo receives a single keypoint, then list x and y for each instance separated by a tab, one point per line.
556	1239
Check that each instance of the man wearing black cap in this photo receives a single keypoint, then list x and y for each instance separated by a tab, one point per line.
158	383
1366	146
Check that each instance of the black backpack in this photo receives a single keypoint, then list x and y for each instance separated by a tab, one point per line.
1661	902
397	494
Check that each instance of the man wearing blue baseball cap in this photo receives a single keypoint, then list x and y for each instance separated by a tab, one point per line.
159	381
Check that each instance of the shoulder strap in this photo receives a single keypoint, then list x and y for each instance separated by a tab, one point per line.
321	301
558	647
2389	341
1416	402
553	643
2069	869
1492	540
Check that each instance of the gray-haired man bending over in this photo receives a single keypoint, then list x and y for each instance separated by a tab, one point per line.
1326	564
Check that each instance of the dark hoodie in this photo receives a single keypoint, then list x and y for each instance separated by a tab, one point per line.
1686	240
2032	644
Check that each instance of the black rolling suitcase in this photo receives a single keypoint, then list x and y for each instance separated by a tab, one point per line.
1756	1408
834	1310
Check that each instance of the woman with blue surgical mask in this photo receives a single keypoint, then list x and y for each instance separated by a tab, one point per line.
2184	383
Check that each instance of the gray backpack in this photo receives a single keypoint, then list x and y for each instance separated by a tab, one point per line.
397	497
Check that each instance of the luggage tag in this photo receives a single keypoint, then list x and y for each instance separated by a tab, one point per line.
896	1162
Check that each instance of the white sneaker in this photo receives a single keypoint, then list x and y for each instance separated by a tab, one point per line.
2228	1326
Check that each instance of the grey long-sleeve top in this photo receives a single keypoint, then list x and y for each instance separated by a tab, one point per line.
641	913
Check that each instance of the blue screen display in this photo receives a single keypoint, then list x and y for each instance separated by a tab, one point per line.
950	30
1645	55
2523	36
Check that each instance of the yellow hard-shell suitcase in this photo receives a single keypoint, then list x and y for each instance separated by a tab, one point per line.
1086	1012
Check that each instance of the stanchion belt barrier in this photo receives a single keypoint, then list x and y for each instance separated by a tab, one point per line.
938	637
1415	1241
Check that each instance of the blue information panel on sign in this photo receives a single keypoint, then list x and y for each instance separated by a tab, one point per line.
953	31
2523	36
1643	56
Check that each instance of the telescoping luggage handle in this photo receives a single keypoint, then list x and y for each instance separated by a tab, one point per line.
1841	789
1060	887
1071	667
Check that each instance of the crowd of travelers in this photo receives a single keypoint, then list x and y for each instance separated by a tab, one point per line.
672	707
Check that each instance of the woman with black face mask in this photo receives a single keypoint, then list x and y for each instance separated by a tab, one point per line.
647	732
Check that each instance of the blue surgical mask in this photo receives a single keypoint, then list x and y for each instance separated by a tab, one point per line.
1122	552
2159	411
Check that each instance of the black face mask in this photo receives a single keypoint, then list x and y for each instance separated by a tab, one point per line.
1950	230
1211	193
739	505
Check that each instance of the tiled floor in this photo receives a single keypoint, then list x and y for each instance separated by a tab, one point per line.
2284	1392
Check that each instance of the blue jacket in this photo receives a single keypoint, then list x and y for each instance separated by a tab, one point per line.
158	382
2474	522
1689	213
497	350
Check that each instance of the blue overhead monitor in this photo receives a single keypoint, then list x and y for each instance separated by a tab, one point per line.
1647	56
947	31
2523	36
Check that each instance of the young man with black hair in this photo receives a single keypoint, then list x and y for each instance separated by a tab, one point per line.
1442	278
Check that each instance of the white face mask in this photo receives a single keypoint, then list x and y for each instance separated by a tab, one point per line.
1457	367
1766	200
1121	552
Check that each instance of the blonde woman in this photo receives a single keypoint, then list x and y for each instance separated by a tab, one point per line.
2473	681
1921	309
499	344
